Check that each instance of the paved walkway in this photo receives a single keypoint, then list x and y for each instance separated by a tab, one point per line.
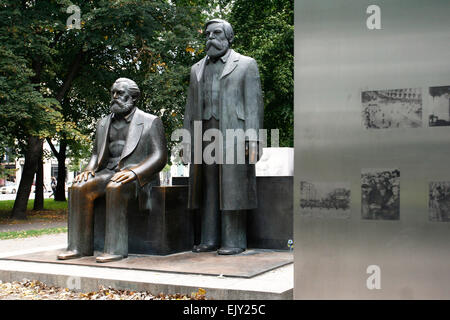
32	225
31	244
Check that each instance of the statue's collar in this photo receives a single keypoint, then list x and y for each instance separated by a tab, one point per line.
232	58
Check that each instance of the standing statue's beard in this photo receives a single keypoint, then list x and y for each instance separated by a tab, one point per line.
216	48
120	107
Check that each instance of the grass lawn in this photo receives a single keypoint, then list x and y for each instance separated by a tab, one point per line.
53	211
30	233
49	204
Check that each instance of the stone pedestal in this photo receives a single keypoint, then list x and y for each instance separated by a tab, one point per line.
166	228
170	227
270	225
180	181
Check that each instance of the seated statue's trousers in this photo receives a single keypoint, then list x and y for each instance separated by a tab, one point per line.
81	213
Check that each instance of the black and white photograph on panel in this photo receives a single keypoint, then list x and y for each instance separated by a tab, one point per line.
439	106
397	108
325	199
439	201
380	194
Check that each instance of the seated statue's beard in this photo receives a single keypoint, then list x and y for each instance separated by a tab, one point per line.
119	107
216	49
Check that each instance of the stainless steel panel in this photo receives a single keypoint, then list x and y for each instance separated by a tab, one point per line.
336	58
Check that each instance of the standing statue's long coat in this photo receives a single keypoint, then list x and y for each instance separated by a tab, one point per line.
240	107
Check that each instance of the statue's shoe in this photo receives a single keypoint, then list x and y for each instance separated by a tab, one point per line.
69	254
107	257
205	248
229	251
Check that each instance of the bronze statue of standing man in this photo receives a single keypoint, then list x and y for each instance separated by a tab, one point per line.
224	94
129	152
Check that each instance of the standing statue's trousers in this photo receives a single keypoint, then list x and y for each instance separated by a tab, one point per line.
226	228
81	213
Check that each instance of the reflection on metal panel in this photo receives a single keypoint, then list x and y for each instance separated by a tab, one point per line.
371	104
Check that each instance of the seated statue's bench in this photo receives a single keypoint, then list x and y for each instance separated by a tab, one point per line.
166	228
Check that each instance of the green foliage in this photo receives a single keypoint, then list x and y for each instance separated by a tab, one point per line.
23	110
26	55
166	78
49	204
5	150
264	30
31	233
149	43
55	81
4	172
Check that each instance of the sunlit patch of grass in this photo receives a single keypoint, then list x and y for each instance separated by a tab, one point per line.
49	204
53	211
30	233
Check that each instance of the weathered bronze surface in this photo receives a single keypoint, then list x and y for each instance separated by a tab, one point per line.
129	152
270	225
224	93
164	229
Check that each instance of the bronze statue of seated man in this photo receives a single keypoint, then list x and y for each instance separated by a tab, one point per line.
129	152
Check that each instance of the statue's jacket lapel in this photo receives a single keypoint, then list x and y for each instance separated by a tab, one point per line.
103	132
231	64
134	135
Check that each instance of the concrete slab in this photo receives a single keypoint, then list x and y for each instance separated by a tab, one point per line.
274	284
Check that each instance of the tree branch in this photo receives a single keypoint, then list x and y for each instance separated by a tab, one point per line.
74	68
50	143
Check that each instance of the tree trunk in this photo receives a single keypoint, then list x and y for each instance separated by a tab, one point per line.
39	195
34	146
73	70
60	193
